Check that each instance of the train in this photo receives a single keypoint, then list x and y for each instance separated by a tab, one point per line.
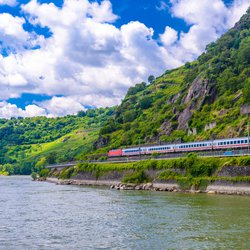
220	144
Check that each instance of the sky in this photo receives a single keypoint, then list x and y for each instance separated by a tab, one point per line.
58	57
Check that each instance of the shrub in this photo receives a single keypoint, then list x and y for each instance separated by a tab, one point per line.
66	173
34	175
136	177
44	173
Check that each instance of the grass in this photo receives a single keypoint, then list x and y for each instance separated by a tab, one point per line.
74	144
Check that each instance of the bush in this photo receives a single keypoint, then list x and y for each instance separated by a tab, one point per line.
34	175
136	177
66	173
44	173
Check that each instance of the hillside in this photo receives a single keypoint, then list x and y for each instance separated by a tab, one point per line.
30	143
200	100
207	98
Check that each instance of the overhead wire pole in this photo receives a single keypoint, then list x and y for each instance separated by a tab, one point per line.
248	137
140	147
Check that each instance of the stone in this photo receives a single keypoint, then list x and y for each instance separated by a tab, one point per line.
211	192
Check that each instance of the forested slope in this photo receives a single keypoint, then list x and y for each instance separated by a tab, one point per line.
204	99
30	143
200	100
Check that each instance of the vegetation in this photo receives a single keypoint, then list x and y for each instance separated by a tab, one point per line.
187	171
212	90
28	144
220	86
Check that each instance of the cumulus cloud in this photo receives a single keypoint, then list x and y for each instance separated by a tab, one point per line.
8	110
59	106
90	61
208	20
8	2
169	36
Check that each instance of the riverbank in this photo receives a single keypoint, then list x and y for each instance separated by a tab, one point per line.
191	174
218	187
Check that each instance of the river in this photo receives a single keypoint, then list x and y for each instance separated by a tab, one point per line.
40	215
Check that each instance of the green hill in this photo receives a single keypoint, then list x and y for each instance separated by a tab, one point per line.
200	100
204	99
30	143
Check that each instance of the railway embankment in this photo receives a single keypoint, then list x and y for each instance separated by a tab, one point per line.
190	174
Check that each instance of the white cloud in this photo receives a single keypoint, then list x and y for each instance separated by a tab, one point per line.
8	110
88	60
208	20
59	106
8	2
169	36
103	12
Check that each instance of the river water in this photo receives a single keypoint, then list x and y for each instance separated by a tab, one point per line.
40	215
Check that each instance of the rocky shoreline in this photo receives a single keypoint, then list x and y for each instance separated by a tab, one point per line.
218	187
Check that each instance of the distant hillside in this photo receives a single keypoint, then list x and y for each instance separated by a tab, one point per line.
30	143
197	101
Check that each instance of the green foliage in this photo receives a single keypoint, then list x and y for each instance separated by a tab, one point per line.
146	102
44	173
137	88
34	175
238	161
136	177
129	116
168	175
246	91
66	173
31	143
7	169
151	78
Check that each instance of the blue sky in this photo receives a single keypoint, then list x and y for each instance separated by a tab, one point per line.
58	57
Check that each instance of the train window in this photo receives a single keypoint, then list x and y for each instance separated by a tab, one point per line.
235	142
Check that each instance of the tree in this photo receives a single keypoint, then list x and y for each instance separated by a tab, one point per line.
40	164
129	116
146	102
151	78
81	113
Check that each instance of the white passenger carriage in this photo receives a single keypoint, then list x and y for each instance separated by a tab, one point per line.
230	143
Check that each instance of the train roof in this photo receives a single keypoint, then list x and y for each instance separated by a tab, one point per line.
232	139
136	147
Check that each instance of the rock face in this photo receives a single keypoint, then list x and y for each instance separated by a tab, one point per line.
166	128
197	93
192	131
101	142
210	126
232	171
244	110
184	118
